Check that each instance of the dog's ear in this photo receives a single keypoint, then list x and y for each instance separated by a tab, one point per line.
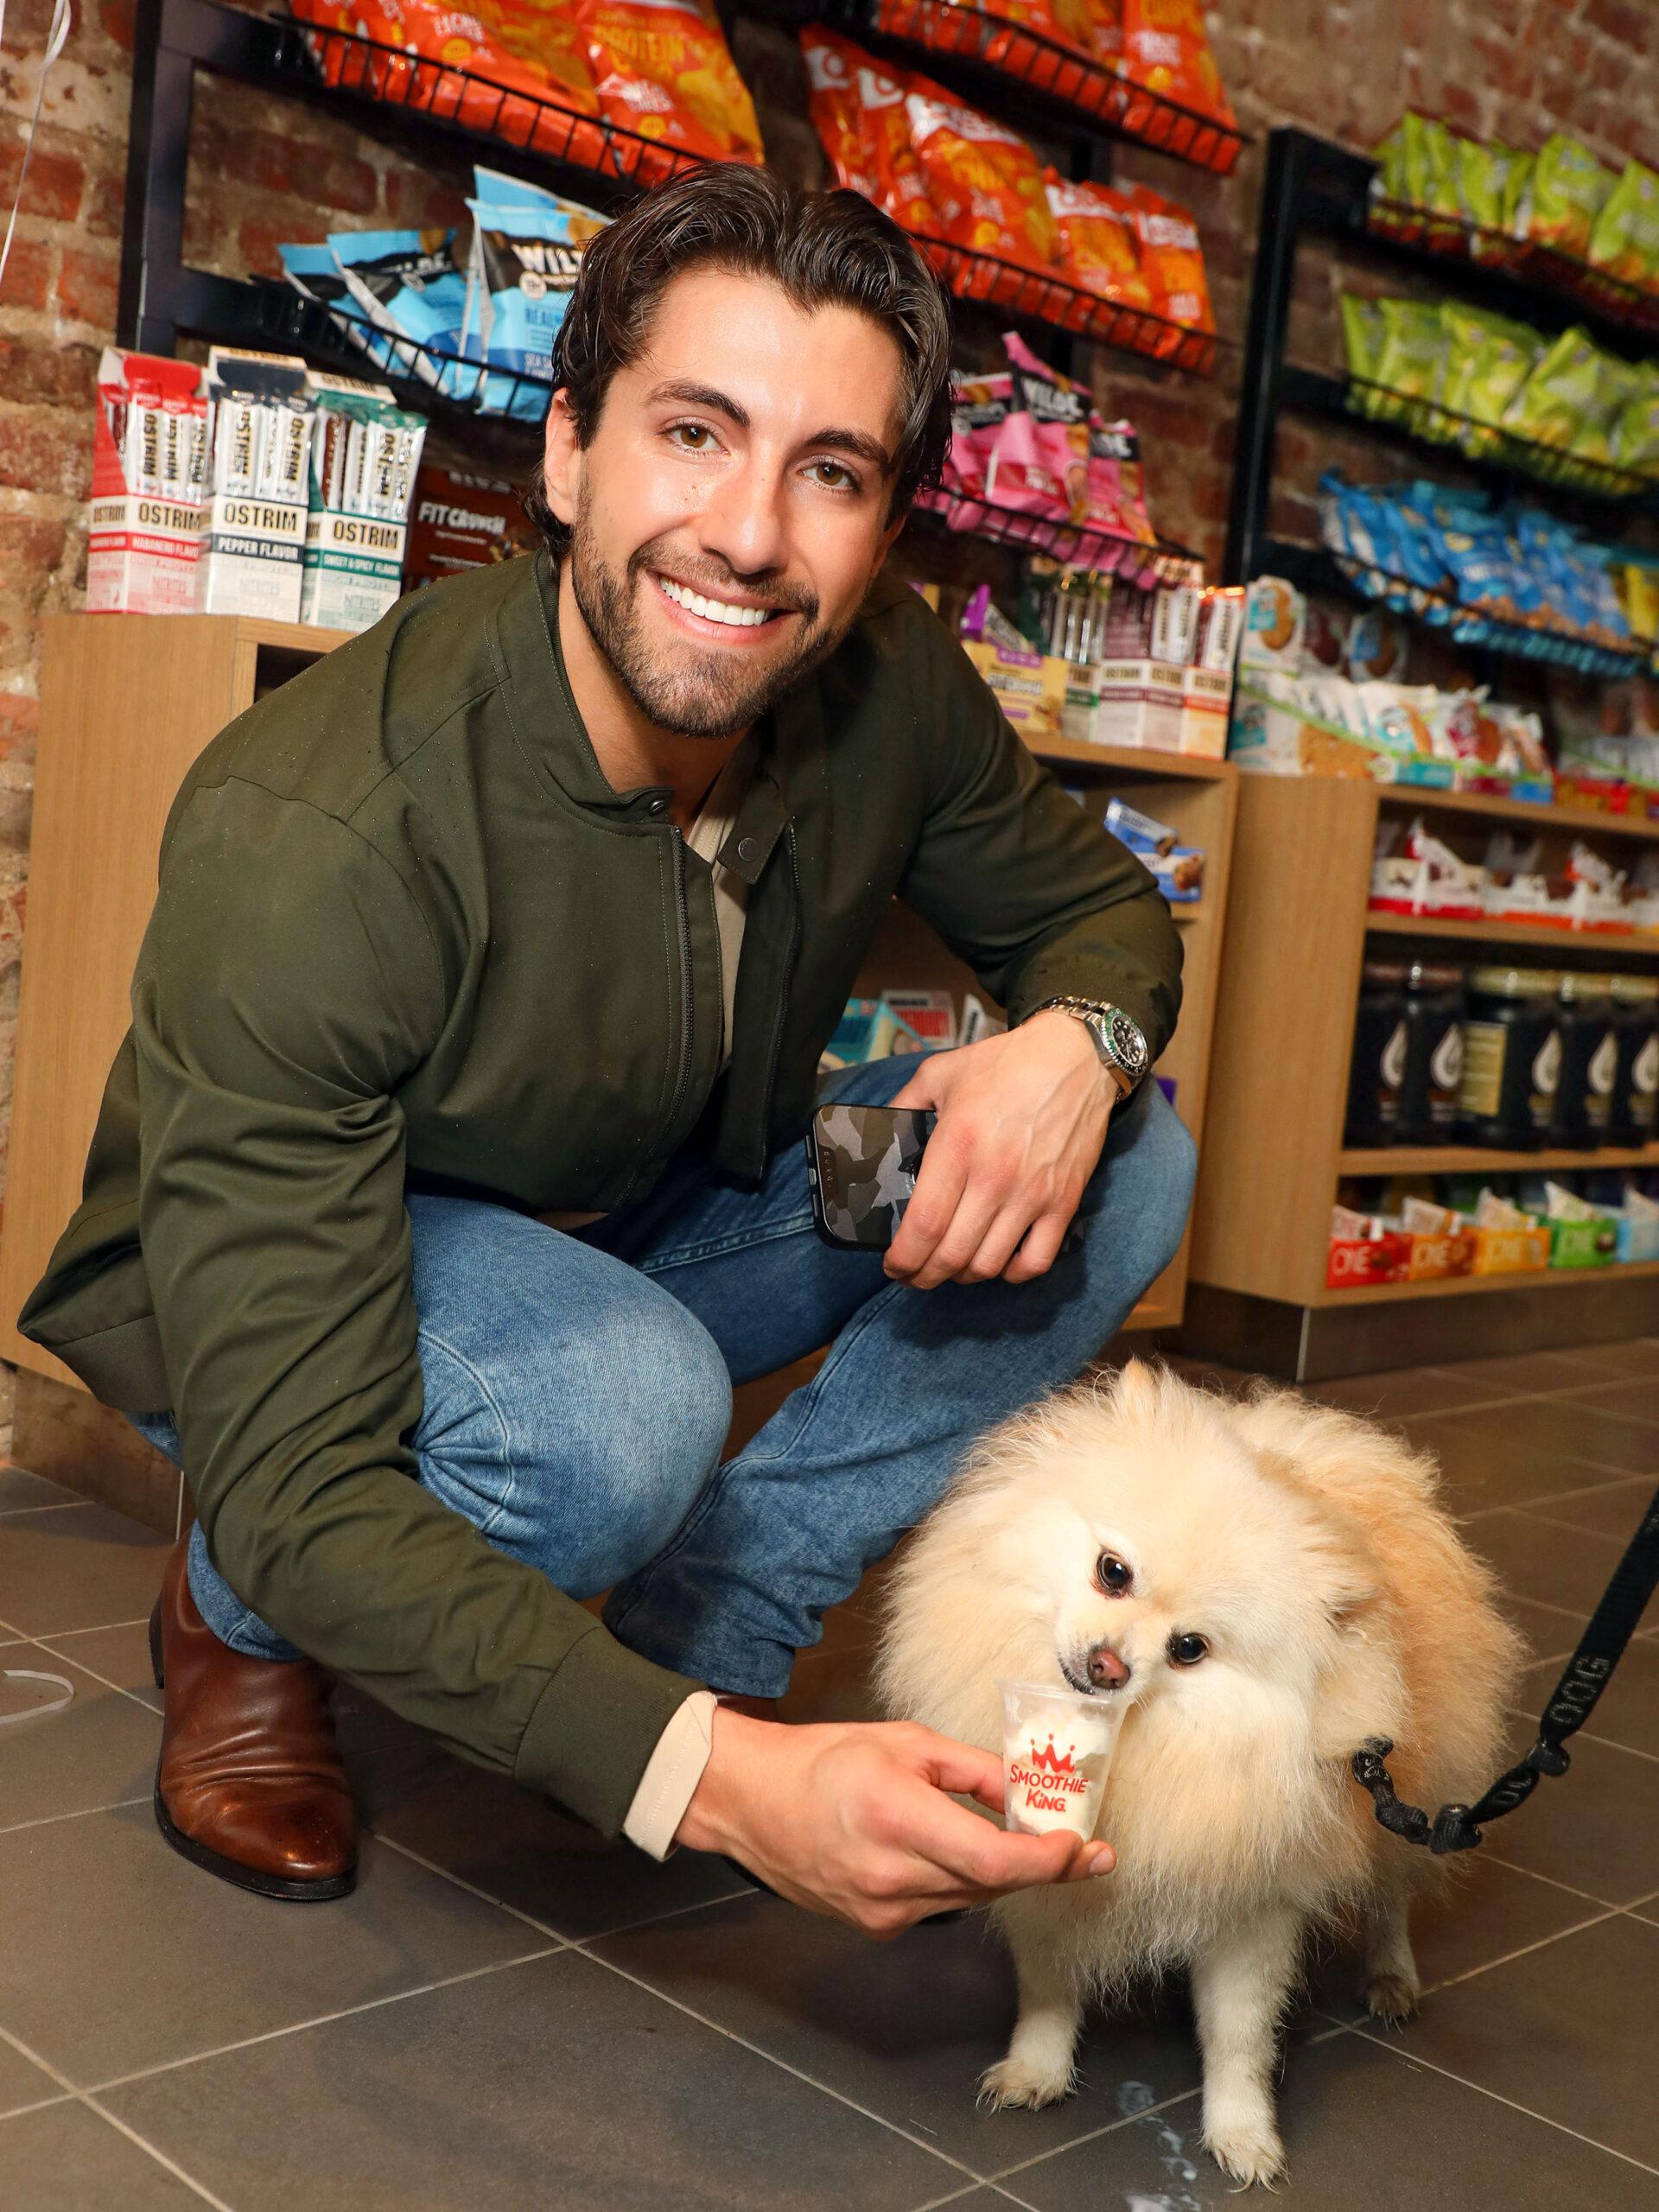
1135	1392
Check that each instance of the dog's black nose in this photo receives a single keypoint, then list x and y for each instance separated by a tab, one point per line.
1106	1670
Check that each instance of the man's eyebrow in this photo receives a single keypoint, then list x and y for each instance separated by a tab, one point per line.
699	395
859	444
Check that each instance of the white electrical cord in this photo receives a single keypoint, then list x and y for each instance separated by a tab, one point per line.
56	39
43	1706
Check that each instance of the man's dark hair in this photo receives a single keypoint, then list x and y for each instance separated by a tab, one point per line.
825	249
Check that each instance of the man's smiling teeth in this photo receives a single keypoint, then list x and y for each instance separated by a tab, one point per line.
715	610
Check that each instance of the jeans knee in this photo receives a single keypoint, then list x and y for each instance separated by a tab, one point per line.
1142	1191
654	1442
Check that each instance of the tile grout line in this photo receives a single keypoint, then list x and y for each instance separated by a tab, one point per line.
1471	1974
1587	1736
1123	2119
321	2020
1416	2058
771	2059
388	1843
1515	1867
655	1919
85	1812
69	1660
87	2103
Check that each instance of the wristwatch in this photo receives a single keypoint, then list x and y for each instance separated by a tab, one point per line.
1117	1039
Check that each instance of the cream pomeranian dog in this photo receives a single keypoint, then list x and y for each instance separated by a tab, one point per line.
1264	1585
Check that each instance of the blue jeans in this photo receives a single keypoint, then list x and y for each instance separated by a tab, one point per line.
578	1389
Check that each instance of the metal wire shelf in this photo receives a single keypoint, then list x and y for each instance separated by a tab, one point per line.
1321	568
1486	445
456	100
1526	261
1109	553
1039	295
1075	82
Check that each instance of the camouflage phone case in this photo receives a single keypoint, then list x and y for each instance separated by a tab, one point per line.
862	1162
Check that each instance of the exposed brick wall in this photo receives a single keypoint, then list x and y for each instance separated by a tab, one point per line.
267	168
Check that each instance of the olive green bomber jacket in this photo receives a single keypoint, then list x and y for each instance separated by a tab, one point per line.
406	935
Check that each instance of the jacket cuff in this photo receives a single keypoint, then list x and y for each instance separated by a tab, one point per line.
591	1735
1085	979
671	1775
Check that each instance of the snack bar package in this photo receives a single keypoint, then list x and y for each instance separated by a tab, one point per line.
149	440
462	522
1563	196
1626	240
1166	49
406	282
983	179
1098	244
257	485
364	453
662	69
460	64
1172	262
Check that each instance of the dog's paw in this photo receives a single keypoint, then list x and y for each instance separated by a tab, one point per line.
1391	1998
1018	2082
1248	2150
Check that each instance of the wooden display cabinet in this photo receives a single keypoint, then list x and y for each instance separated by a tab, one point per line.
1298	929
128	702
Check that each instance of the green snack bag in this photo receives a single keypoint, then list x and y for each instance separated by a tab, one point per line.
1636	433
1517	187
1558	397
1362	334
1390	183
1411	360
1487	174
1567	191
1617	383
1626	240
1443	193
1488	360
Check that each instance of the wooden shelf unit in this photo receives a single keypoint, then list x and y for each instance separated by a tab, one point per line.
1297	925
128	702
1587	821
1471	1159
1539	937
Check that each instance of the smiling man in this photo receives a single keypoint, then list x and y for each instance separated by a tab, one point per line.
451	1169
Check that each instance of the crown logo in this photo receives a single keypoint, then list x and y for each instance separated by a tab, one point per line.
1052	1759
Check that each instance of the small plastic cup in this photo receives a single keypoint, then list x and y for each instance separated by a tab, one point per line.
1057	1749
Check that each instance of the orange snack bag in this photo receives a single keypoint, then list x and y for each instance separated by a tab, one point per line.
1064	21
1166	48
662	69
1172	259
1098	241
982	178
511	46
1106	31
832	103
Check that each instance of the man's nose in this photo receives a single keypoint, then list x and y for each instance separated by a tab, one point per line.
742	521
1106	1671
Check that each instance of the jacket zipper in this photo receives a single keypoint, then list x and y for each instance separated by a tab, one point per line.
783	995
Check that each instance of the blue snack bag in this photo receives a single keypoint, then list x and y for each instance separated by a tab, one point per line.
408	284
523	269
314	271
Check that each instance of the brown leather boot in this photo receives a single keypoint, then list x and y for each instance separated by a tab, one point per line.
249	1786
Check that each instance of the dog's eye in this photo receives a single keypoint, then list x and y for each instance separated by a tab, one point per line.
1187	1651
1113	1576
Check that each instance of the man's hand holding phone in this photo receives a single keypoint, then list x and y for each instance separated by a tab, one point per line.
1023	1121
856	1821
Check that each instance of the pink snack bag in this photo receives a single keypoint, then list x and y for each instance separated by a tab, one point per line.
1041	460
979	407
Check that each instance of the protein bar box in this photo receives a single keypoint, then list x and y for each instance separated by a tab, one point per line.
145	517
253	530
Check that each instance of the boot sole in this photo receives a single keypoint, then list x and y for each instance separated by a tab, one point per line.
319	1891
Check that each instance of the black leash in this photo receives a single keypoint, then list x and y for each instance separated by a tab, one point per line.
1457	1828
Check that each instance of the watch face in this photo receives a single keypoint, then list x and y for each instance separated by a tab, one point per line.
1127	1043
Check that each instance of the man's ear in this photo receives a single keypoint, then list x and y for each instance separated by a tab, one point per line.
884	542
561	460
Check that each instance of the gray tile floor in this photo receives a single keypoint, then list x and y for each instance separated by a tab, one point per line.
507	2018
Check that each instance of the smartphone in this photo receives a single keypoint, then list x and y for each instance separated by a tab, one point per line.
861	1163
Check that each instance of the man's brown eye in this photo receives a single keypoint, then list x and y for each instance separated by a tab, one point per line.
1187	1651
1113	1576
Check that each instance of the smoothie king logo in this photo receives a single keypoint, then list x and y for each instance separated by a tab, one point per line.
1050	1779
